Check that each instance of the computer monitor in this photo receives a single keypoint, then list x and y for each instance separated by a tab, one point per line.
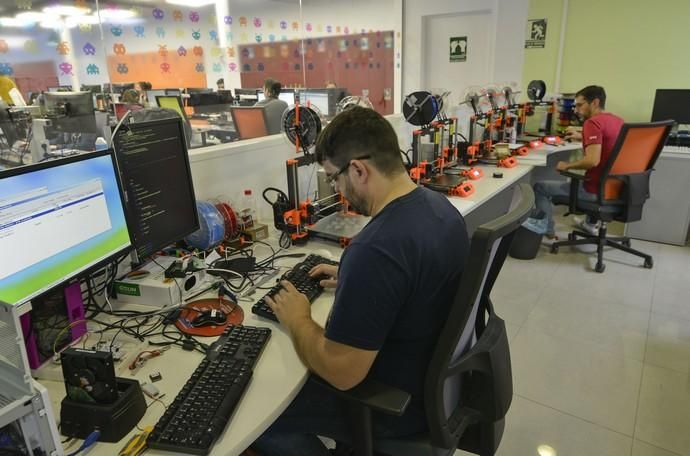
317	98
672	104
171	102
157	180
152	94
192	90
204	99
93	88
121	88
173	92
250	121
246	97
288	96
73	111
58	220
226	96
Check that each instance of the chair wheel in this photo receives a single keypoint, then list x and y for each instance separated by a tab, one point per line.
571	236
648	263
554	249
600	267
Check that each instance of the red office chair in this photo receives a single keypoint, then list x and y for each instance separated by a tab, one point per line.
623	189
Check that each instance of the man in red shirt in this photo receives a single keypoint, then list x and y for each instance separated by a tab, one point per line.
598	136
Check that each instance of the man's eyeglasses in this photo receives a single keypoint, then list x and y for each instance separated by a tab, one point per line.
330	178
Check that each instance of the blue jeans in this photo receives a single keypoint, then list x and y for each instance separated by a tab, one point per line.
317	411
544	191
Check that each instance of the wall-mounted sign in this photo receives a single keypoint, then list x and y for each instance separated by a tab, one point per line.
536	34
458	49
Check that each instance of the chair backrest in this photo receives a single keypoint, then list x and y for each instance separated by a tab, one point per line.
250	121
636	149
446	375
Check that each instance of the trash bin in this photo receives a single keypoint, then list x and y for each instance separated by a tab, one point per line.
525	244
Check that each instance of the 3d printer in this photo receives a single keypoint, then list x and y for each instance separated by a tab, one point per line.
327	217
440	171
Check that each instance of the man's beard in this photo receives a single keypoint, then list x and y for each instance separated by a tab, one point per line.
357	203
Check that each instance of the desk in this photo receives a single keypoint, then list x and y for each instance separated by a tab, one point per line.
666	214
278	376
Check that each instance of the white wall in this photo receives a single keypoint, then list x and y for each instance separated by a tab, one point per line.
226	170
509	17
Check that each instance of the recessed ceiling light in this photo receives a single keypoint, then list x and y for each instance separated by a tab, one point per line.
14	22
64	10
73	21
116	13
191	3
31	16
52	23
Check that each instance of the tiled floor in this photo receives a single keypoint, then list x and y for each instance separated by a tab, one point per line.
601	362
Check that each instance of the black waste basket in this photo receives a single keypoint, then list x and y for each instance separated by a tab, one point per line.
525	244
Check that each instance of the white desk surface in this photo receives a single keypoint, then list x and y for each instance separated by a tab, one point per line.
537	157
488	186
279	374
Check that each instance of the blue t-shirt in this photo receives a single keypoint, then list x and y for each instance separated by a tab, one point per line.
396	282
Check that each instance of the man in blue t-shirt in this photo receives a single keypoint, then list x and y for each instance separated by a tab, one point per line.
394	288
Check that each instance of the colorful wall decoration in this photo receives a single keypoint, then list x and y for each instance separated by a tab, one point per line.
360	62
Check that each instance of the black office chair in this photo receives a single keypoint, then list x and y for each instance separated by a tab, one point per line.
469	385
623	189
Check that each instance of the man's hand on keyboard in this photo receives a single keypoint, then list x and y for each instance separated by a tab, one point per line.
327	273
289	305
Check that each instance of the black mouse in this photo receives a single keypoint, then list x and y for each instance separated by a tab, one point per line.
212	317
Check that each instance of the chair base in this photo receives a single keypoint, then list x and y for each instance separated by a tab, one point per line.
601	241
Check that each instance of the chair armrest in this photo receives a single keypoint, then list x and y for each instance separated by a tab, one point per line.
372	394
573	175
575	179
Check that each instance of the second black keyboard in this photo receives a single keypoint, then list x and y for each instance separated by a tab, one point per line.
299	277
201	410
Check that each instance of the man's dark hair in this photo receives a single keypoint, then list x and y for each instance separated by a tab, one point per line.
220	81
357	132
145	85
272	86
592	92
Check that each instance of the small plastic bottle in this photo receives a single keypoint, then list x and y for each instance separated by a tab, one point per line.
248	209
101	143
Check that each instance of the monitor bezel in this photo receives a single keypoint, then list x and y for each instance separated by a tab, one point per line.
12	172
179	102
128	209
655	118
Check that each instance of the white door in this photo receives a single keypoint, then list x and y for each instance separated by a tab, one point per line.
438	71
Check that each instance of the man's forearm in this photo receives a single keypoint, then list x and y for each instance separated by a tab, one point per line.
307	336
580	164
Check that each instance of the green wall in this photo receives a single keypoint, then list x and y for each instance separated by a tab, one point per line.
629	47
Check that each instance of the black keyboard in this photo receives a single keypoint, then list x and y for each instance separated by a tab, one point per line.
204	405
299	277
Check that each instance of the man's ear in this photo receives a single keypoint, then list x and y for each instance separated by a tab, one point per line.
360	169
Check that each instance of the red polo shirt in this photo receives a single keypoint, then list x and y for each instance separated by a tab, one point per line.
601	129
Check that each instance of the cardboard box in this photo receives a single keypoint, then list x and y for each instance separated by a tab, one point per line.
257	232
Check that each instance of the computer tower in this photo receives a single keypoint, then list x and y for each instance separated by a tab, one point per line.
27	420
56	320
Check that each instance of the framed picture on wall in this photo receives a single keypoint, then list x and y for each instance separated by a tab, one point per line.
458	48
